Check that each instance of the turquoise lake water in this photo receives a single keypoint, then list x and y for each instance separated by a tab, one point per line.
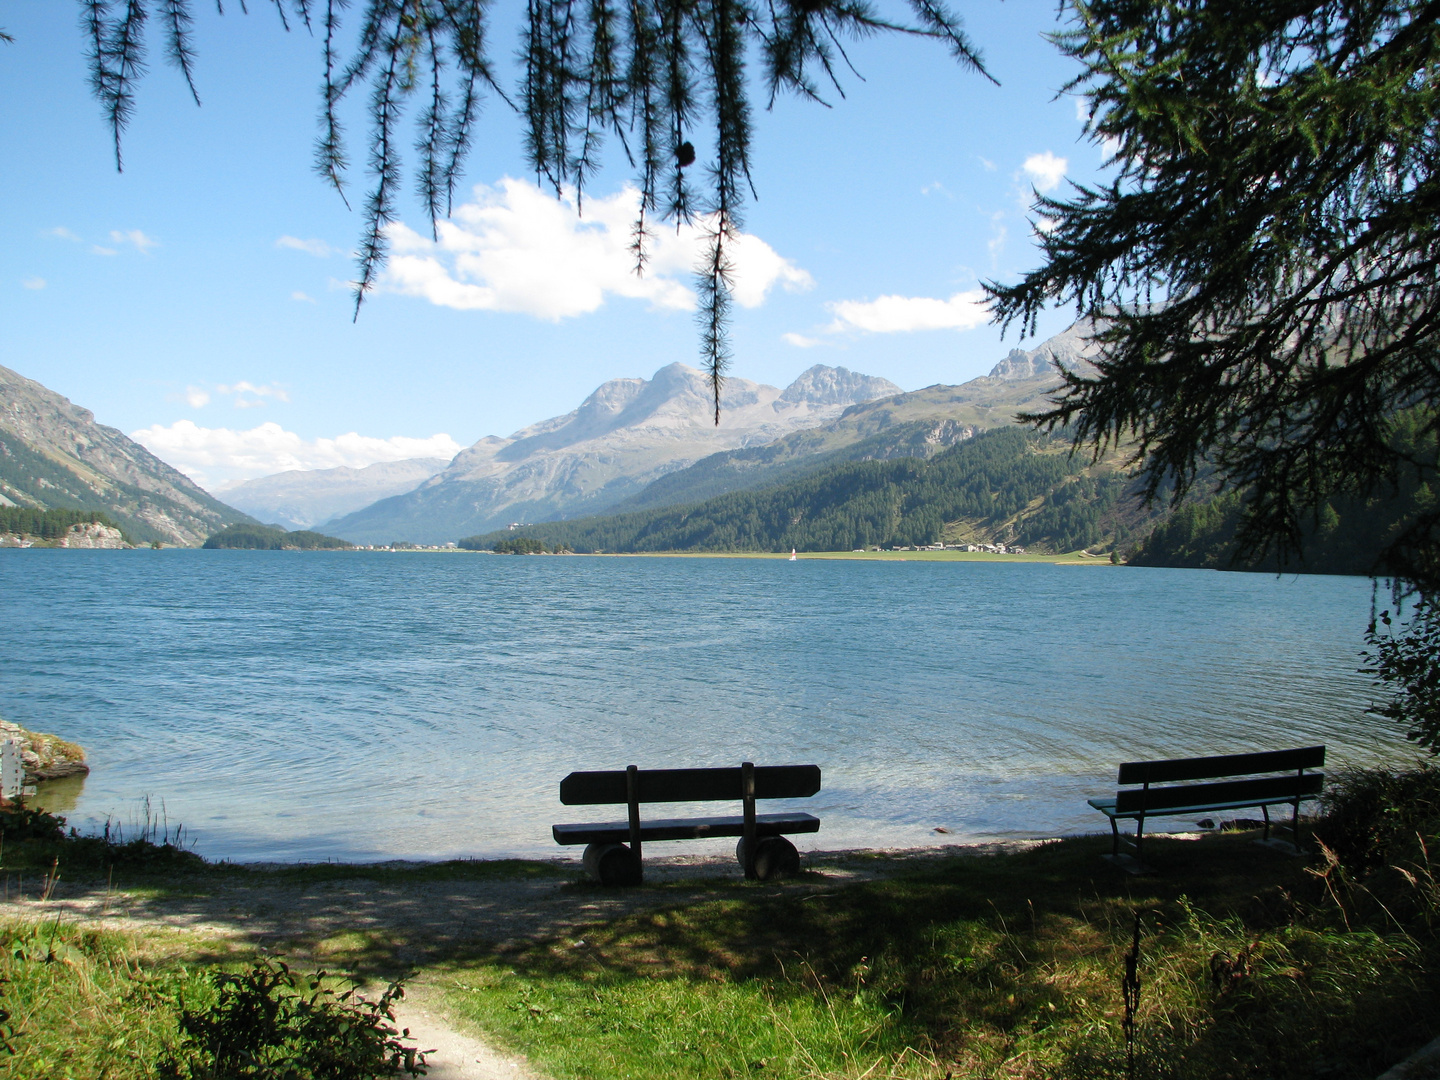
287	705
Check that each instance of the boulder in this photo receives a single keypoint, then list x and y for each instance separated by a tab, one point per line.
45	757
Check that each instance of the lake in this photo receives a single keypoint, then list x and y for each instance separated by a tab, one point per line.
315	705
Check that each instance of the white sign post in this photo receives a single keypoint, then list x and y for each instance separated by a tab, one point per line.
12	771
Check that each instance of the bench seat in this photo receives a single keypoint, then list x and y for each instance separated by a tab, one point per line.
1107	807
1166	790
618	832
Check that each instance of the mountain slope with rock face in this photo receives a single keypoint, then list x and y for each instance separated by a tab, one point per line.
305	498
623	436
918	424
53	456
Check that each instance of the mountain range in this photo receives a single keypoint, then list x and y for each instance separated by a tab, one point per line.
638	444
631	445
53	456
918	424
304	498
625	435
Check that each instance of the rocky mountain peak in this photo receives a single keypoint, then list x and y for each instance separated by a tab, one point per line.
823	385
1072	350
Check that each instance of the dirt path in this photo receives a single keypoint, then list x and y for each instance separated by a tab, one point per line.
452	1054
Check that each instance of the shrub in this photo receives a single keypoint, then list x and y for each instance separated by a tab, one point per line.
270	1023
1407	663
1379	817
20	823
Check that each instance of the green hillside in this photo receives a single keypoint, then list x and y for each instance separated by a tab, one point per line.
1345	537
265	538
796	455
54	456
1010	485
919	424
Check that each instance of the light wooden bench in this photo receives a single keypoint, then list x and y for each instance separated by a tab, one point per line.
613	848
1291	786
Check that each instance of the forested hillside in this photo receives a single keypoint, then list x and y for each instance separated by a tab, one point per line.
1345	537
53	456
47	524
794	456
265	538
1010	485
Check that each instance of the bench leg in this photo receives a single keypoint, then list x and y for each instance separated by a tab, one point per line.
1266	811
1114	837
613	864
773	857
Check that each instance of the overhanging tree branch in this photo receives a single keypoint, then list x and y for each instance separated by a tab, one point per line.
649	72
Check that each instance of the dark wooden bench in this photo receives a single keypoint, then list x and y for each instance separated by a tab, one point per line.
763	851
1178	798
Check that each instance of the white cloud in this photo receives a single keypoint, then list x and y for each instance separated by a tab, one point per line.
319	248
800	341
34	283
135	237
62	233
901	314
303	297
249	396
1046	170
219	457
516	248
1045	225
98	250
196	397
1082	110
936	188
989	165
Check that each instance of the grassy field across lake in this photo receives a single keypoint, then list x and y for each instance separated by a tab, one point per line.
955	962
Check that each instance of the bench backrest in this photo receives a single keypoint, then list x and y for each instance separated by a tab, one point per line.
1296	784
689	785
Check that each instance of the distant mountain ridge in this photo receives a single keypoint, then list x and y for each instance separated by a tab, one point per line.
919	424
1010	485
54	456
624	435
305	498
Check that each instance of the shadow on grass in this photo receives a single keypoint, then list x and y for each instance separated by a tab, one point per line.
984	961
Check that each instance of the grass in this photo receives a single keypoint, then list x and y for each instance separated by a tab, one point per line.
977	967
1251	964
90	1004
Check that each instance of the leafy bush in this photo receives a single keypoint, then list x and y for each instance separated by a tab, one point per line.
25	823
1379	817
32	837
273	1024
1407	663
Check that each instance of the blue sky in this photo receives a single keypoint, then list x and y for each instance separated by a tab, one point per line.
199	298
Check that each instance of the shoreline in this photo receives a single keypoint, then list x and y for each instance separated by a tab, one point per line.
1071	558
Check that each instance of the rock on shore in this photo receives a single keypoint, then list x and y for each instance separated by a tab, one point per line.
45	757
